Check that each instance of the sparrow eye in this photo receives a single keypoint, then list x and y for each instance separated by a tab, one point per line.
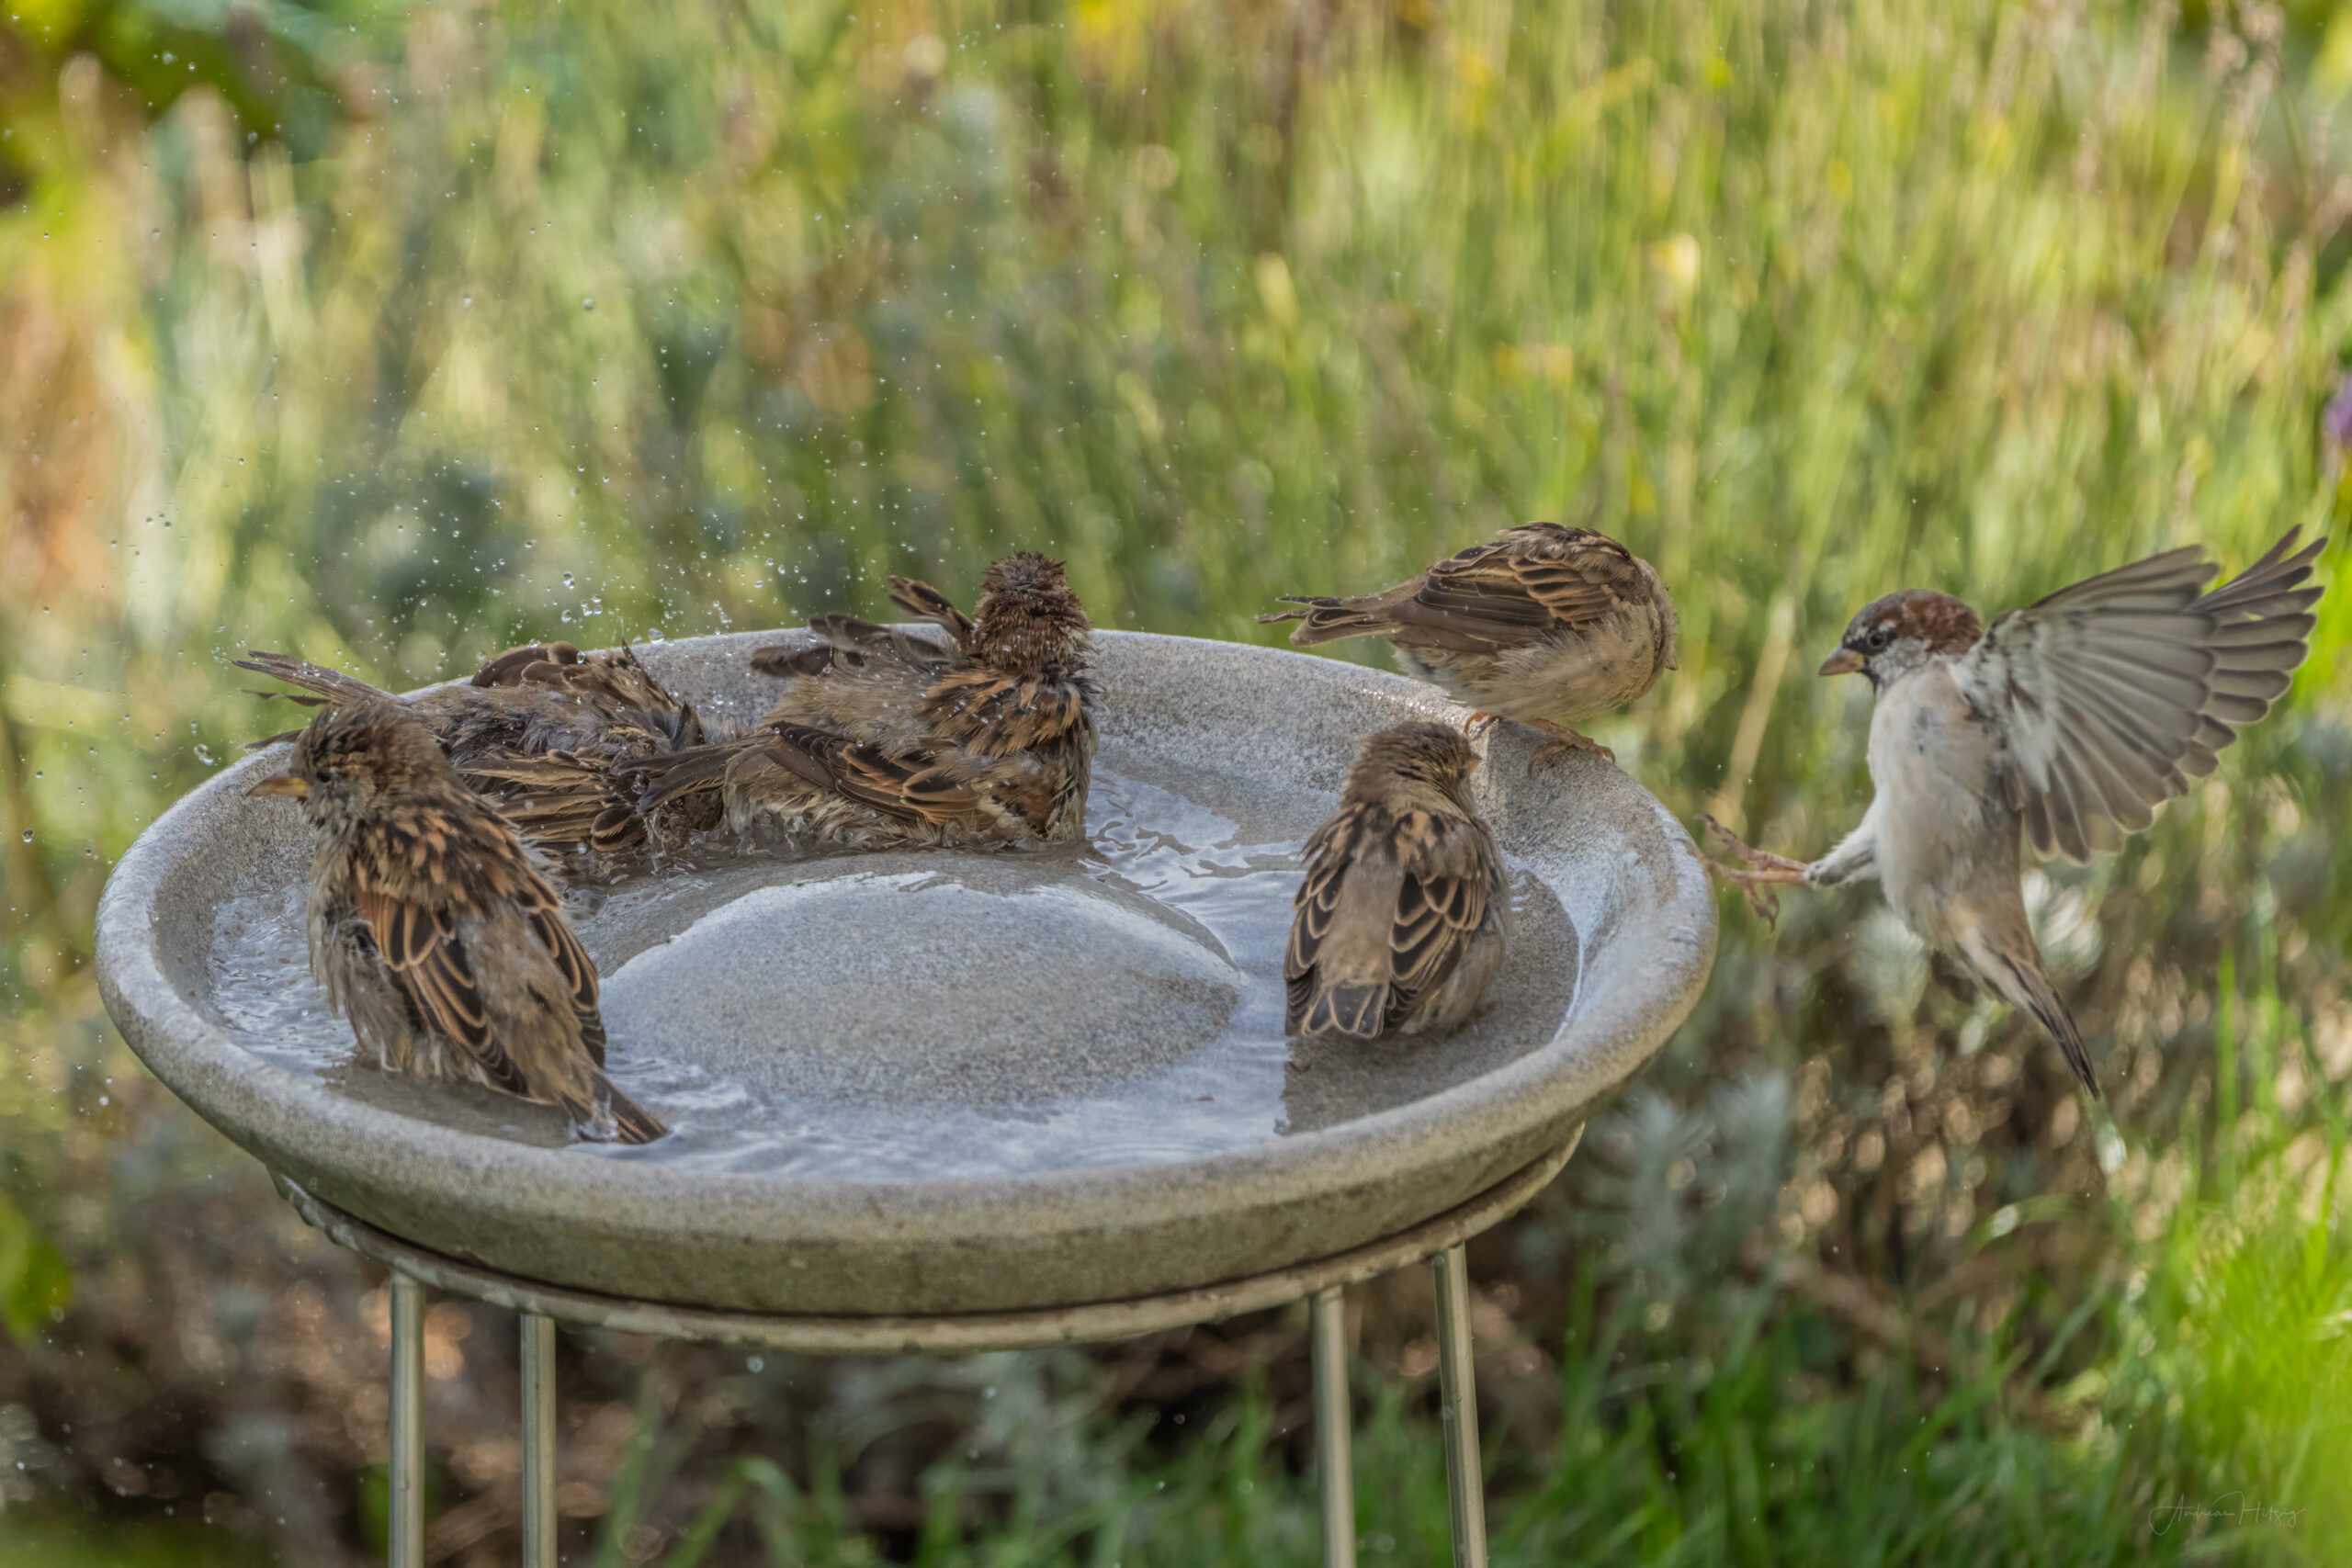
1879	637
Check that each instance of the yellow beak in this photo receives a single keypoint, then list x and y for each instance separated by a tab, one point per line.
1844	661
281	783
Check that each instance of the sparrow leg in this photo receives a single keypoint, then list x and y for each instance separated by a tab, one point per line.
1767	866
1563	740
1757	877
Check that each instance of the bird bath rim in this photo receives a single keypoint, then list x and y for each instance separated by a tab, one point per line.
763	1241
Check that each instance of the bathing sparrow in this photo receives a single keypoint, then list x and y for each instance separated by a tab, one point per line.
431	929
1399	923
880	746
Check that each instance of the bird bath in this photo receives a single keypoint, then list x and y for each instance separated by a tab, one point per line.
954	1100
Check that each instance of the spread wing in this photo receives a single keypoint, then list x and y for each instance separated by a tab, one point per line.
844	642
925	603
2119	690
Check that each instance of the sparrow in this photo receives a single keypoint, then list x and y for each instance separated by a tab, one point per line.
539	730
1399	925
879	744
1546	626
432	930
2065	724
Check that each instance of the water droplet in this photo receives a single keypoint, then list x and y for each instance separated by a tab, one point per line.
587	304
29	835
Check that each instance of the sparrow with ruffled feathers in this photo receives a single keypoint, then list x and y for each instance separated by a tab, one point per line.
2066	723
887	740
1546	626
538	730
1399	923
433	931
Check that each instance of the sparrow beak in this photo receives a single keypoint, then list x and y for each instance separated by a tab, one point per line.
281	783
1844	661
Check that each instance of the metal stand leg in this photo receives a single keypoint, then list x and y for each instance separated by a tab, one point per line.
1466	1485
538	1440
408	1423
1335	1467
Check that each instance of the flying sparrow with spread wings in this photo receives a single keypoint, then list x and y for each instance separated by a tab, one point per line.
1400	922
432	930
1547	627
538	730
2066	723
876	745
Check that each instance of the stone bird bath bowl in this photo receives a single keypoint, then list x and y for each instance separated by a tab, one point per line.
954	1088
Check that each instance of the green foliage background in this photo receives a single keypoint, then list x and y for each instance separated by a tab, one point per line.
397	333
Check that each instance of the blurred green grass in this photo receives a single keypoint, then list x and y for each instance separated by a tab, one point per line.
394	333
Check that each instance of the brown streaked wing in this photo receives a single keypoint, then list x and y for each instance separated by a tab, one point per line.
1448	872
421	949
1516	589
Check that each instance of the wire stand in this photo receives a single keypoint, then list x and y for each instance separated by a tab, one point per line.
1322	1283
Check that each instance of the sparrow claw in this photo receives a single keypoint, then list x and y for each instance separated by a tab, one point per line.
1563	740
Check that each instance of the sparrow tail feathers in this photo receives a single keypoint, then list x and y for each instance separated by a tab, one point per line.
331	684
609	1116
1347	1009
2017	973
1326	620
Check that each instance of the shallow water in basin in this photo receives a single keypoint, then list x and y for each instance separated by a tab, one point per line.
894	1017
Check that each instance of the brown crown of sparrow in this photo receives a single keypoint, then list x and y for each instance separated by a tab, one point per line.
1545	626
538	730
884	740
2066	723
433	932
1399	924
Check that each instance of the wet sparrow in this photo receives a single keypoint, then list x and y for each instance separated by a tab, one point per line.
1399	923
1546	626
2066	723
433	932
538	730
894	750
